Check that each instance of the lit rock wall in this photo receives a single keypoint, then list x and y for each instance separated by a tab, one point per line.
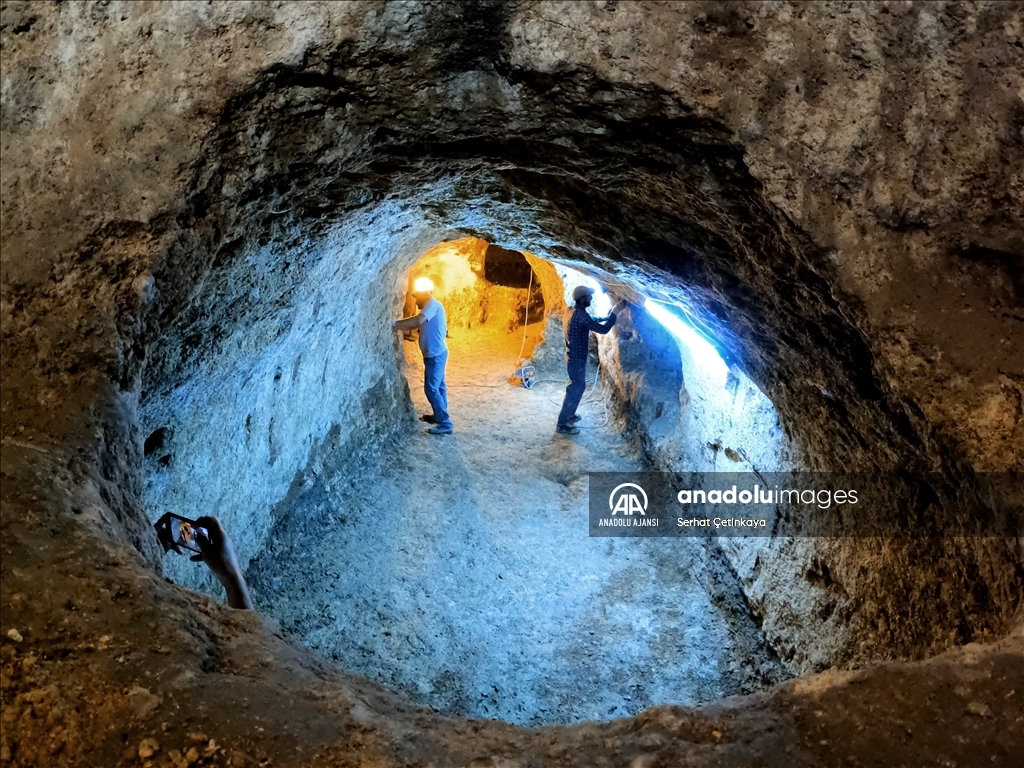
457	269
641	365
283	378
688	416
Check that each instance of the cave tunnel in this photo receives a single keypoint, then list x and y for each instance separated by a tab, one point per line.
212	214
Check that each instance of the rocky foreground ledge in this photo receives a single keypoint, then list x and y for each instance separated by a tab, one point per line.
105	663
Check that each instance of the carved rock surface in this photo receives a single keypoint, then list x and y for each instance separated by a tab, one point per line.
195	196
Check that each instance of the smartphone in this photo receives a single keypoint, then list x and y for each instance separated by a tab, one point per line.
177	533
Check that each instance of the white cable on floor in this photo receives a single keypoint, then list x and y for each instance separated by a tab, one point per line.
526	319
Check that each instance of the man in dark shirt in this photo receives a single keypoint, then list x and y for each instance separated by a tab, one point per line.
577	342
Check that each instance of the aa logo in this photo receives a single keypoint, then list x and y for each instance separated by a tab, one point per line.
626	501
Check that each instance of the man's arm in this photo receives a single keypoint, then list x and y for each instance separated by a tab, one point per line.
409	323
599	326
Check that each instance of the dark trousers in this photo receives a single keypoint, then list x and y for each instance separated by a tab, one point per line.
573	392
436	390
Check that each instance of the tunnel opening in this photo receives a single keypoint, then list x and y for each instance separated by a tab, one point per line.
481	286
297	372
504	267
456	569
421	564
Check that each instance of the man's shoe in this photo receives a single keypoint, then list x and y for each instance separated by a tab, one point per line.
576	419
568	429
428	418
440	431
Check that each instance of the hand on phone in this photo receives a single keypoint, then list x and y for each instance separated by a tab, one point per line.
178	533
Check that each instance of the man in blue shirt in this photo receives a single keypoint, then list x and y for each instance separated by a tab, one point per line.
577	342
433	327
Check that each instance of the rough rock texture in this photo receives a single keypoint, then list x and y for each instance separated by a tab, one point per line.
457	571
834	188
688	416
645	372
267	395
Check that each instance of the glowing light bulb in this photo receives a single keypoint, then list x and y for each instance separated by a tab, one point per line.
703	353
422	285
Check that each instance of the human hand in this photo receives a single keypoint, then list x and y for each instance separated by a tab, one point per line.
218	553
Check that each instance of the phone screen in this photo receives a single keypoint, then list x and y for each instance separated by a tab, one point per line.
177	532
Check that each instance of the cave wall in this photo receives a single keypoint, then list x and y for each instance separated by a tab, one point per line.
273	381
836	184
548	355
686	415
719	421
641	366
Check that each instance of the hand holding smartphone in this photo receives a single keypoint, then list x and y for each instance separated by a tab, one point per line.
177	533
211	544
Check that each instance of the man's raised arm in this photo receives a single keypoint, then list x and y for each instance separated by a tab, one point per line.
409	323
600	326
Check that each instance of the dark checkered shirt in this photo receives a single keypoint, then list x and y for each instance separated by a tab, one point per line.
577	333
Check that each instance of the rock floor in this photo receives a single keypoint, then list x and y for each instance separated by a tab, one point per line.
458	569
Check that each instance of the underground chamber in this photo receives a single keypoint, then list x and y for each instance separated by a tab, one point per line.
458	571
454	570
814	268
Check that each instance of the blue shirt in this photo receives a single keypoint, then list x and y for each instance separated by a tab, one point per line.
435	330
577	333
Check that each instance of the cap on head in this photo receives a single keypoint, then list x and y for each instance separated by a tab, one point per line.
580	291
422	285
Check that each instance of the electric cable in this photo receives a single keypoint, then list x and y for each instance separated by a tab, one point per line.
520	366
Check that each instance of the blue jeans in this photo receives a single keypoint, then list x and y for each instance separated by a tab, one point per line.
436	390
573	392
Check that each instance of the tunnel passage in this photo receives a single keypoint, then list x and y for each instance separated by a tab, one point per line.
458	570
279	358
430	567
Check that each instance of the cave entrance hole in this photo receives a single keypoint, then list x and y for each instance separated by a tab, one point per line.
490	294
